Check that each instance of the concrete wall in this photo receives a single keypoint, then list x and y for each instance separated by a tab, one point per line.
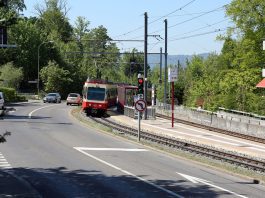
227	121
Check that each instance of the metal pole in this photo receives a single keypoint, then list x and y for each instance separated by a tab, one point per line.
172	104
165	89
139	125
160	75
38	83
145	60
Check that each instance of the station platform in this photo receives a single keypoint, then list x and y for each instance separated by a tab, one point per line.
181	131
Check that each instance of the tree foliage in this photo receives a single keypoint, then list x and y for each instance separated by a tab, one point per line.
229	79
55	78
10	76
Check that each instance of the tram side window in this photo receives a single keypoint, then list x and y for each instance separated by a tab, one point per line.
112	93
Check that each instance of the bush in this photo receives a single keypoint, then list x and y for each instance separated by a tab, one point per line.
11	95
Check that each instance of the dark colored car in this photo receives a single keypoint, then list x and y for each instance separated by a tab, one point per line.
52	97
74	98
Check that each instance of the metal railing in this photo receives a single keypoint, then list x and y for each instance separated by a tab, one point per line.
131	112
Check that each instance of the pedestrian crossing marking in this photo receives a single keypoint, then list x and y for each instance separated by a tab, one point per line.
4	163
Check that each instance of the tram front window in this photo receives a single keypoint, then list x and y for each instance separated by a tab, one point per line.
95	93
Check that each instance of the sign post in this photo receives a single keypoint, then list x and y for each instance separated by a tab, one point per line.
263	73
140	106
172	77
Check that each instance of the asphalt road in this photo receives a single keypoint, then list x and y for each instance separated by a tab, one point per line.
59	157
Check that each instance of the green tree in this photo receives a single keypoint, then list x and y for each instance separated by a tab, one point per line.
131	64
237	87
10	14
55	78
53	21
102	55
193	76
10	76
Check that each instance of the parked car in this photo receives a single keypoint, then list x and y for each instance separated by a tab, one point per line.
2	101
74	98
52	97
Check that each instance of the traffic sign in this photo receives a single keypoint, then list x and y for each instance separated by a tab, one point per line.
172	74
140	105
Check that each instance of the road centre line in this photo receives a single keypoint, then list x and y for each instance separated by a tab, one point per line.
126	172
109	149
262	148
30	114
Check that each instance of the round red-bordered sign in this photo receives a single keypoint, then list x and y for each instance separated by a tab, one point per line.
140	105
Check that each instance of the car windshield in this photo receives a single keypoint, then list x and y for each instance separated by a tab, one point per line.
72	95
51	94
95	93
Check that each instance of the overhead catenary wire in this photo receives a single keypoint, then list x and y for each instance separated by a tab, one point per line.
194	30
200	34
201	28
141	27
190	19
177	37
184	37
185	21
171	12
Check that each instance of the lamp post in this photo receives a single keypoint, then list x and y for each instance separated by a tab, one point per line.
38	82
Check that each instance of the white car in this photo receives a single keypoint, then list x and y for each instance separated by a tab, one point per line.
74	98
2	101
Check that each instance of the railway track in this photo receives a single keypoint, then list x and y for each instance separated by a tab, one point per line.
230	133
222	155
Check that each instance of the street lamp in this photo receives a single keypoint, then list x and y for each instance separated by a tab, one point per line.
38	82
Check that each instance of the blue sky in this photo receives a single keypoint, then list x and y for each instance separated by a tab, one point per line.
192	24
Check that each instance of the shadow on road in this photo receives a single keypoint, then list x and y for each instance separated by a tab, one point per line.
60	182
19	117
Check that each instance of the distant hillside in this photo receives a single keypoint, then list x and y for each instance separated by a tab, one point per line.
154	59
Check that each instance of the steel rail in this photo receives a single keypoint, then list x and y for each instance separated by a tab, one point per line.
232	158
226	132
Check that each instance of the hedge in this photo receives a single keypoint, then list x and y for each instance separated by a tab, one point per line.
10	95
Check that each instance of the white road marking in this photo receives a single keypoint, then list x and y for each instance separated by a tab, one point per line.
196	180
30	114
4	163
127	172
109	149
255	147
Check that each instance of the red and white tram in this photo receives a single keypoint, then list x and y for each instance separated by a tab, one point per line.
98	96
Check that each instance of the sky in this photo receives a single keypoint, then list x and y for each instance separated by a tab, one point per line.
192	24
